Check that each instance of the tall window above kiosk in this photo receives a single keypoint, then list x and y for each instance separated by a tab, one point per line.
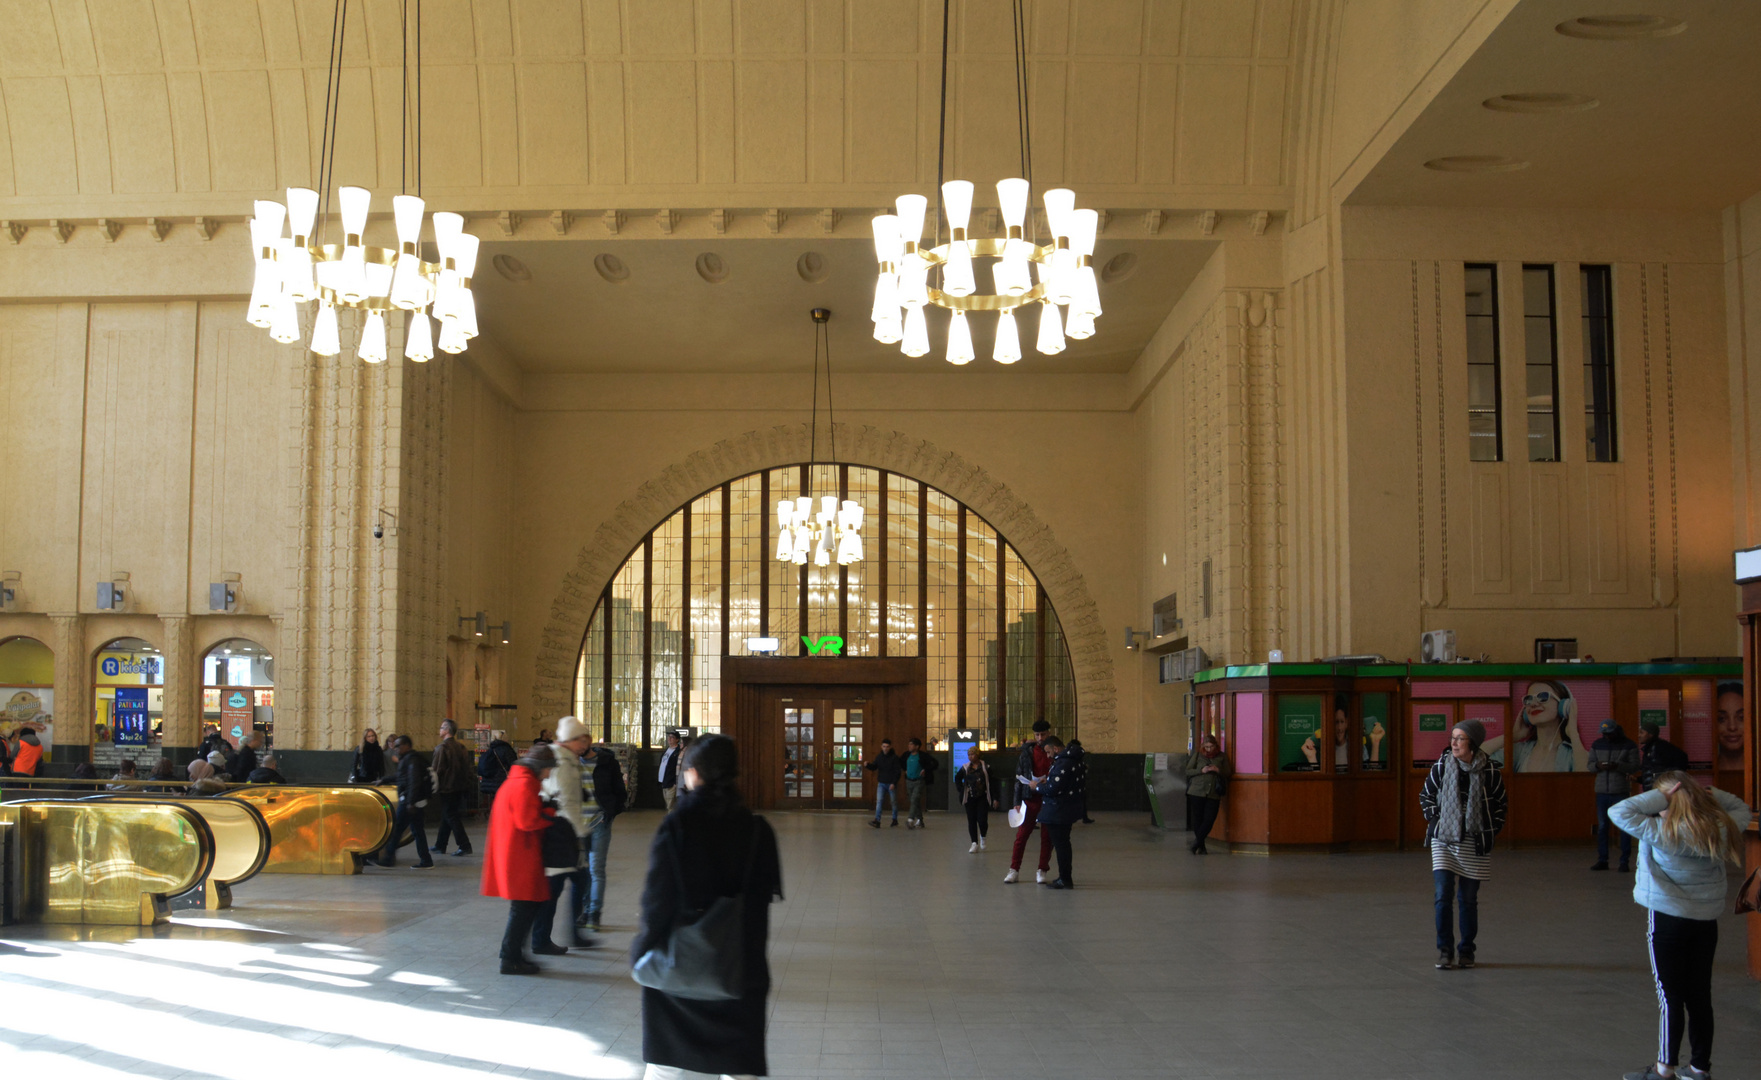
1485	413
1540	363
1598	283
936	580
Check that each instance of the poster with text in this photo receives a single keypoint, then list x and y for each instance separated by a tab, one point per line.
129	725
28	706
235	714
1302	732
1430	732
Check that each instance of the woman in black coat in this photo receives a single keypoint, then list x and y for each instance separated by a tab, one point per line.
722	849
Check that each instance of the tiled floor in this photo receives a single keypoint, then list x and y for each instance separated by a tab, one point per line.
896	954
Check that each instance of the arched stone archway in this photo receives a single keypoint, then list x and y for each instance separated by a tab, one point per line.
788	444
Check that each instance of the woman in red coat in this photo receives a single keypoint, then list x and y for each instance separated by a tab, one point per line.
513	863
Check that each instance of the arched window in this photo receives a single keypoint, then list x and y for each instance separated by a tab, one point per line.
238	689
128	702
27	688
936	581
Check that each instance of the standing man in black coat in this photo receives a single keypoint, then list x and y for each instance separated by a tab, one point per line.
887	767
669	770
452	779
611	795
413	790
246	762
1060	795
1657	756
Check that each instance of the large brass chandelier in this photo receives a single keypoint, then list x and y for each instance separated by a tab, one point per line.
1056	274
298	270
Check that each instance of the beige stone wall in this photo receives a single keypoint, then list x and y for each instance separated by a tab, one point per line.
1742	290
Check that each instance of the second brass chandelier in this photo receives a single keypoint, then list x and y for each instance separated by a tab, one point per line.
1056	274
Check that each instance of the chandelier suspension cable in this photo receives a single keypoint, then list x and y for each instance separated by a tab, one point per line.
1024	113
941	137
828	526
813	422
403	12
339	28
831	419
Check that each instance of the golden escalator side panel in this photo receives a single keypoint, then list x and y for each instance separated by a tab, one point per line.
319	830
241	839
120	863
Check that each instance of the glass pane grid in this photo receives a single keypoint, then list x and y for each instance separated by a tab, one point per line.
983	649
785	578
862	588
1060	679
706	612
1485	409
746	557
903	495
1541	364
1598	320
1021	594
628	624
667	622
941	636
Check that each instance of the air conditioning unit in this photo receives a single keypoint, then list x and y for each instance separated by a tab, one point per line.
1183	665
1437	647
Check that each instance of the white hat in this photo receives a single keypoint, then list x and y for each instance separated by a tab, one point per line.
217	759
570	728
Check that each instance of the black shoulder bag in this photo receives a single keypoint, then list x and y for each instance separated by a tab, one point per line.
704	957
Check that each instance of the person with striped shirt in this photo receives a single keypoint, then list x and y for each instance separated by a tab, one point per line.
1464	804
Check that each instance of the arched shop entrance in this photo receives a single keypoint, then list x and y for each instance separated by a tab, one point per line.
941	625
238	690
27	689
128	704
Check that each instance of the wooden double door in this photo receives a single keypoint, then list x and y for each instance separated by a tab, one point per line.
825	733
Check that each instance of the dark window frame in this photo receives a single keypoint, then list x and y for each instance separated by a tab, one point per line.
1496	363
1552	363
1602	432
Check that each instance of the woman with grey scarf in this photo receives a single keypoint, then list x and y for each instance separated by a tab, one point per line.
1464	805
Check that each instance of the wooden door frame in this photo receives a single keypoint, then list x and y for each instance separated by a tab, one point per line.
903	679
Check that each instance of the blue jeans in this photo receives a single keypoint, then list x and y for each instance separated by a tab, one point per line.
887	792
598	844
1603	802
1448	885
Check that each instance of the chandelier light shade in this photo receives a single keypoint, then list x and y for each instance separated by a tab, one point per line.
834	531
298	268
1056	274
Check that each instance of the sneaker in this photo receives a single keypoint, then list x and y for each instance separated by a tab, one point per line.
1039	877
895	823
1466	961
429	865
920	824
549	948
1602	865
1011	877
519	967
592	924
1061	883
875	824
1650	1072
909	824
1445	960
1688	1072
461	851
973	850
981	843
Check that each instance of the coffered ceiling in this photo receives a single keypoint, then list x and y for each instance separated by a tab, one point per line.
131	108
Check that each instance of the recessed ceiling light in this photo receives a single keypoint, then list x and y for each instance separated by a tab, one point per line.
1621	27
511	268
711	268
1539	103
611	268
812	267
1470	163
1119	267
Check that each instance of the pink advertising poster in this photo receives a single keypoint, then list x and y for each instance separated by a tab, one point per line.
1553	723
1696	727
1250	733
1431	722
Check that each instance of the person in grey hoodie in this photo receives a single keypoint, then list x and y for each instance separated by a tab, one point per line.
1687	834
1613	758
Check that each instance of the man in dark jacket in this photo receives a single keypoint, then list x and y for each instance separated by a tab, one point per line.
1657	756
1033	763
413	789
246	762
887	768
452	778
1060	794
1613	758
266	773
492	768
610	796
920	773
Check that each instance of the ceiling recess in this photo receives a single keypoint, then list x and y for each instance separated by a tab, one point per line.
1621	27
1476	163
1540	103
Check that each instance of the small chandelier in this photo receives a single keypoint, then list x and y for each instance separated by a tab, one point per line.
1057	274
835	529
299	269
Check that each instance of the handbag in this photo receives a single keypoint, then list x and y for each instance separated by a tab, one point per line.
704	957
1749	893
1017	815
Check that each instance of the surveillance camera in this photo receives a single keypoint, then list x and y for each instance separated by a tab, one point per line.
378	532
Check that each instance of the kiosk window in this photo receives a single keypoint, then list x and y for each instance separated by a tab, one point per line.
1376	730
1302	732
1431	722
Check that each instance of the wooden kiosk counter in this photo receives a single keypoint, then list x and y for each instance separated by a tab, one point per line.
1331	758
